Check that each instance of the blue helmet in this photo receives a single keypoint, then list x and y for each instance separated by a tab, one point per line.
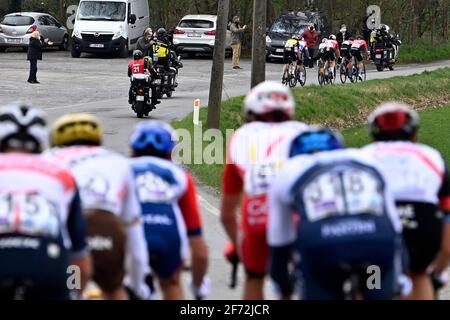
315	140
155	135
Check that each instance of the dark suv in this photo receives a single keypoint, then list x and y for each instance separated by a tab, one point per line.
289	23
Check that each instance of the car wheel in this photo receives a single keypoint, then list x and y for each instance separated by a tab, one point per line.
75	53
3	49
65	44
25	49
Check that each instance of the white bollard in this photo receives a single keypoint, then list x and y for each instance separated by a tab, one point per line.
196	116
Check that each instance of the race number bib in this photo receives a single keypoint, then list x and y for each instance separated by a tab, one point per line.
259	177
28	213
152	188
347	192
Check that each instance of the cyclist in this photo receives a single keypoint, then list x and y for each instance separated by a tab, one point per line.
359	50
303	56
331	54
331	213
421	186
291	54
108	195
167	195
255	153
347	55
42	228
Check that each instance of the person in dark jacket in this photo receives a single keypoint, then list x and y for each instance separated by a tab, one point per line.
145	42
343	35
35	46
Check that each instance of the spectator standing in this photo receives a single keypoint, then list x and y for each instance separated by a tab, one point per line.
237	33
342	35
145	42
311	37
37	43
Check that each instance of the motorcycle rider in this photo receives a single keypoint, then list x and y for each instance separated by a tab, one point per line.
141	65
384	37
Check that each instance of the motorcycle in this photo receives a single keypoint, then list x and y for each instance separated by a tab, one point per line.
385	56
141	95
168	82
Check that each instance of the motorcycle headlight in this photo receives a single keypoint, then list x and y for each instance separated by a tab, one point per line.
76	33
118	34
268	40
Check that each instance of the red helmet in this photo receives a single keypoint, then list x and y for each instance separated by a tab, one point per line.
393	121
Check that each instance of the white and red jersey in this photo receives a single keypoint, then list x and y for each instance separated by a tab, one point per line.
40	198
347	43
417	172
104	177
332	44
359	45
256	152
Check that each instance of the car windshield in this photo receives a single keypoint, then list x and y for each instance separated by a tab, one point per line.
289	26
102	10
201	24
17	21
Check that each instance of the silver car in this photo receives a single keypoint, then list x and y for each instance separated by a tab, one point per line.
15	30
197	34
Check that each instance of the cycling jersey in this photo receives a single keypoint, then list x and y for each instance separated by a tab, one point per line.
106	183
256	152
421	186
292	45
41	223
334	209
167	195
332	44
359	45
136	67
346	48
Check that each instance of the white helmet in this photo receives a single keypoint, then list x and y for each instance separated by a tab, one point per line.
269	96
23	127
332	37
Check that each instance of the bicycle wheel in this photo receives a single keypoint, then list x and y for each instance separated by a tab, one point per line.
303	82
292	81
343	73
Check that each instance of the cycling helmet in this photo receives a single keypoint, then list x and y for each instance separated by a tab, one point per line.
332	37
153	137
76	129
23	127
393	121
148	59
138	55
359	37
269	96
351	39
316	139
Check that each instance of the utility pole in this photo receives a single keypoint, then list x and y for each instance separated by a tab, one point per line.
259	42
216	84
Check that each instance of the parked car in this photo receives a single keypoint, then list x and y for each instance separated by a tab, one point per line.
289	23
109	26
197	34
15	30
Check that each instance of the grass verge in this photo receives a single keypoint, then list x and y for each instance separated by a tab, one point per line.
340	107
424	51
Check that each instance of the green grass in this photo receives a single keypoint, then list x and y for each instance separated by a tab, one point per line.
434	128
424	51
339	106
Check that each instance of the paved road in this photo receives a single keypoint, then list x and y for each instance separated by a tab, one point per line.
100	86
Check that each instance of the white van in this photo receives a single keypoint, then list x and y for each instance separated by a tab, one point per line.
109	26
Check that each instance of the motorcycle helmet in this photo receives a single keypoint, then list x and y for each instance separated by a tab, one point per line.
138	55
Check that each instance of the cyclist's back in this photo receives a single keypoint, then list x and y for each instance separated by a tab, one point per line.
335	209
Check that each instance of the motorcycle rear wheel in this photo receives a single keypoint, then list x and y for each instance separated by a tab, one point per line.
139	107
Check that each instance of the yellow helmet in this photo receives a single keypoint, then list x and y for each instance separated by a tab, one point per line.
77	128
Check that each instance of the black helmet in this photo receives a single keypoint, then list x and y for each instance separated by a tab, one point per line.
138	55
161	31
359	37
393	121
